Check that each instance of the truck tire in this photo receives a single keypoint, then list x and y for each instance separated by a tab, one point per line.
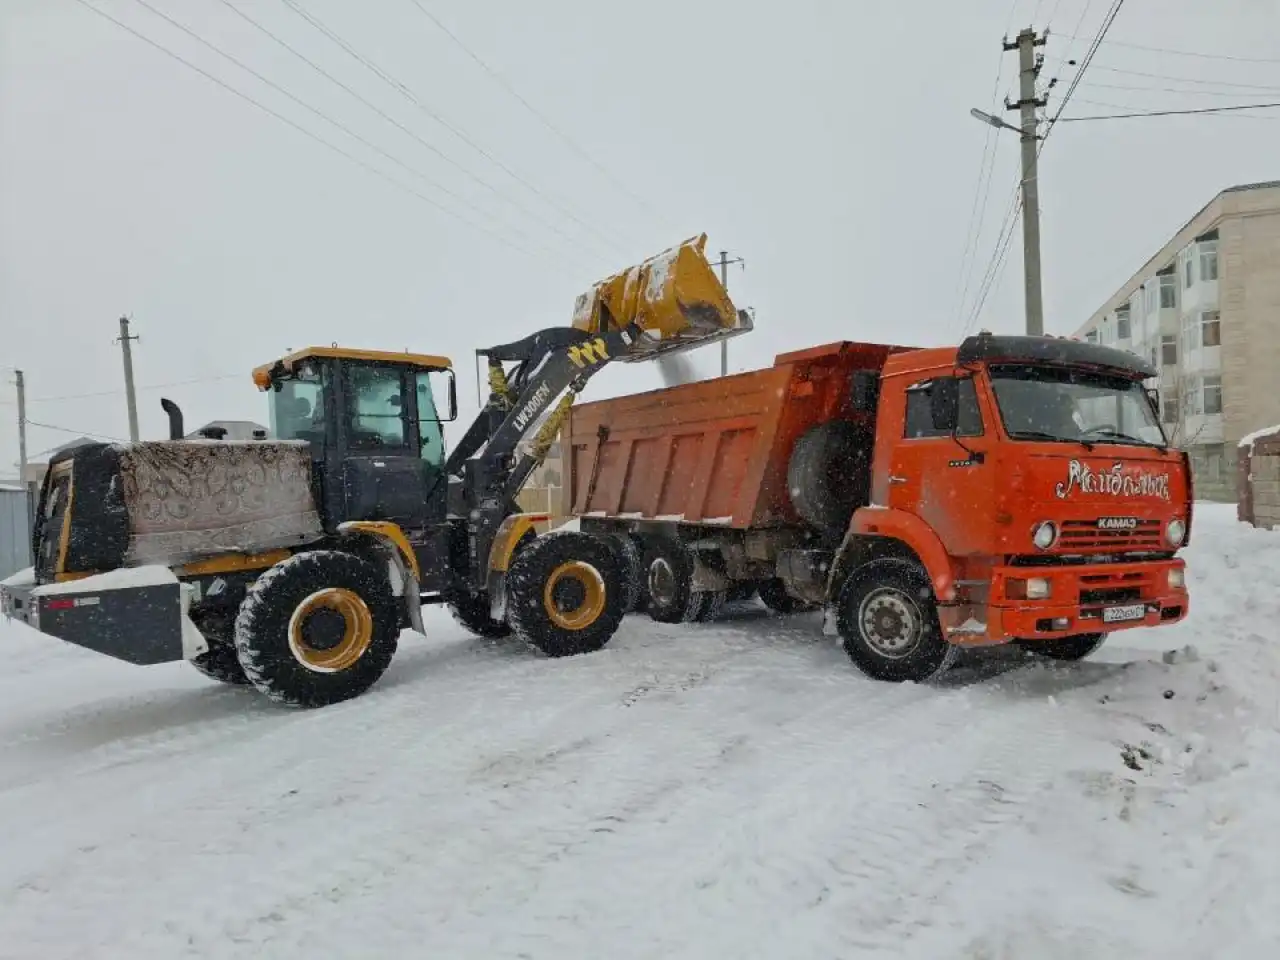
829	473
668	577
317	628
471	610
773	594
219	662
742	591
633	570
712	605
888	620
566	594
1065	648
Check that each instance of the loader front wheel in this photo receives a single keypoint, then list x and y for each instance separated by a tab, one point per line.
566	594
317	628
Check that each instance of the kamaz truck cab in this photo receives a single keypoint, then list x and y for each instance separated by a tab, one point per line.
1022	489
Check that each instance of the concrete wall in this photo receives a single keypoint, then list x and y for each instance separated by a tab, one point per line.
1258	482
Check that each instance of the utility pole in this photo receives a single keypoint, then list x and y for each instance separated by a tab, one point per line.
1029	63
125	348
724	280
20	382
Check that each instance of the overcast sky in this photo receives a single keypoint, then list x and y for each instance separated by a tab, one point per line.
828	143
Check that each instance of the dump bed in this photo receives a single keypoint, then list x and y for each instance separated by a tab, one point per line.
715	451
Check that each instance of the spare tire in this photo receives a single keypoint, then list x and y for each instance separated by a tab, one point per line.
829	473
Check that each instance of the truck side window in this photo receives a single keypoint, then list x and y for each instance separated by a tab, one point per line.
919	420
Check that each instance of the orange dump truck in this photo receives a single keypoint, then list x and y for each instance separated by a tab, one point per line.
1010	489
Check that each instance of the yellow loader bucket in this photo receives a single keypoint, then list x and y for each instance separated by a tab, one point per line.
675	297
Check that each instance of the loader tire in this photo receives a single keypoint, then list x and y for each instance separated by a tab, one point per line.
318	628
773	594
566	593
219	662
668	577
829	474
471	612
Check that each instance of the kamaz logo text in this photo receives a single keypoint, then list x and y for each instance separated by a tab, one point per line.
593	351
1117	523
531	408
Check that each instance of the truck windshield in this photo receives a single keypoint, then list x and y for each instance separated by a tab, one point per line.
297	408
1074	405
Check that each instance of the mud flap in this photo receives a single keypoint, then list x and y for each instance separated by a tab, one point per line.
138	615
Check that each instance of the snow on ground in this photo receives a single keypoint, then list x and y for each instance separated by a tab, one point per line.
727	790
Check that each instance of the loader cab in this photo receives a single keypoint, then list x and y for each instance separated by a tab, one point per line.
373	421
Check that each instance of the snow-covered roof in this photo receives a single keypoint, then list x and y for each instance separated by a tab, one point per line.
1265	433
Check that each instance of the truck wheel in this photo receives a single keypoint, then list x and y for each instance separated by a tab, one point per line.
317	628
742	591
773	594
219	662
633	570
566	594
829	473
888	621
1065	648
668	574
712	605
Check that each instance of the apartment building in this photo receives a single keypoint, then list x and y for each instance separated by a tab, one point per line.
1206	311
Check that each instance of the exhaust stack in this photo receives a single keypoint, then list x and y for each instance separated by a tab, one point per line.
176	431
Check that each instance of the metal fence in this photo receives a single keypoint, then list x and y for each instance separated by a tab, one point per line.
15	531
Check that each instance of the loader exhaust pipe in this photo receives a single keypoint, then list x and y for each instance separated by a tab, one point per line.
176	431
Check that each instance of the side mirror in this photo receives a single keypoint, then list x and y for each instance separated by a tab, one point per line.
944	404
453	397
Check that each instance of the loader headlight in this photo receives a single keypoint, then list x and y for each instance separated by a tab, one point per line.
1045	534
1175	532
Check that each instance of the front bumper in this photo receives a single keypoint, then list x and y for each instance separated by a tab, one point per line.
1079	601
137	616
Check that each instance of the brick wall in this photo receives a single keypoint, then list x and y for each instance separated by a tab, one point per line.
1258	483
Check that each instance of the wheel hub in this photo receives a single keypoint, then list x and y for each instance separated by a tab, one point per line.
568	594
323	629
662	582
890	623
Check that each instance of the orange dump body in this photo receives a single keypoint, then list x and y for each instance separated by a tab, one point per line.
714	451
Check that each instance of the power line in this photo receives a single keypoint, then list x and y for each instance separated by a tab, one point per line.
1108	19
1189	53
1193	80
319	113
151	386
1271	91
1130	107
392	120
460	134
1174	113
301	129
74	433
502	81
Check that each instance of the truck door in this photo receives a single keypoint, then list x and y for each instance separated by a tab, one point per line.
945	476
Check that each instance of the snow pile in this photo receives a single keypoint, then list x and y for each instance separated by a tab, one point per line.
722	790
1266	433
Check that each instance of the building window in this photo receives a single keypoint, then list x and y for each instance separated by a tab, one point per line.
1211	328
1123	327
1092	335
1188	271
1192	399
1213	395
1211	459
1209	260
1170	399
1168	291
1169	350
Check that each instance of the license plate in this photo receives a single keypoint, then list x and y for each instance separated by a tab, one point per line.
1134	611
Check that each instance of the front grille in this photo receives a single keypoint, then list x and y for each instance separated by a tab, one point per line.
1113	597
1085	535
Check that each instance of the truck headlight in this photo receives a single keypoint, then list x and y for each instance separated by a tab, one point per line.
1045	534
1032	588
1175	532
1177	578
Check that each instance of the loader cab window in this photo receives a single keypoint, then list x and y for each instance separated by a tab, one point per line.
919	420
430	434
297	409
377	413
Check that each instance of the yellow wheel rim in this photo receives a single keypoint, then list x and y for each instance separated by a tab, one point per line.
574	595
340	653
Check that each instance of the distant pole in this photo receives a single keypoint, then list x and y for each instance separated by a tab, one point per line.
131	398
20	382
724	279
1027	104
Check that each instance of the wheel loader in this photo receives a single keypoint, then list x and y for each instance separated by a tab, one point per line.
292	563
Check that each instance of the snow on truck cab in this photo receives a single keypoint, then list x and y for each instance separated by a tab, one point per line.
1011	489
